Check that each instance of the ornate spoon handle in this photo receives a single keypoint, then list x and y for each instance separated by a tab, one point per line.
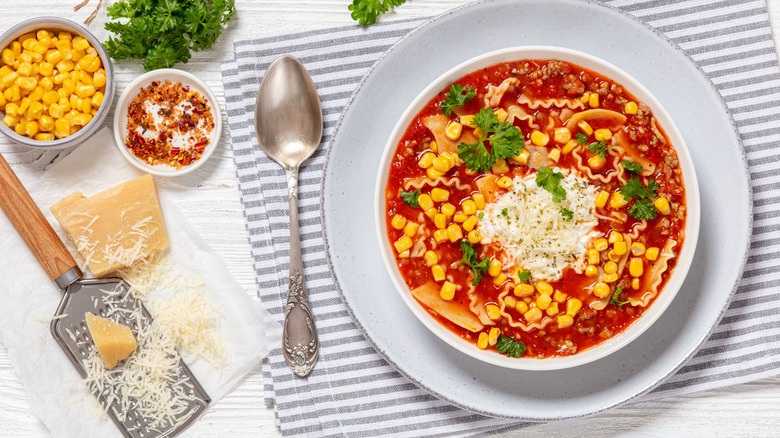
300	343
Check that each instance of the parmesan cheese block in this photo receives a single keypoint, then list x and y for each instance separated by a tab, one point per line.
113	341
115	228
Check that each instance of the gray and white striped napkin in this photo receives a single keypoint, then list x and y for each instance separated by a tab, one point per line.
353	391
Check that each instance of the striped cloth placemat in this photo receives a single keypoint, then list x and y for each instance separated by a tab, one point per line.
352	390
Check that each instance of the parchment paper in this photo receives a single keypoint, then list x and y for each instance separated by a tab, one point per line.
56	391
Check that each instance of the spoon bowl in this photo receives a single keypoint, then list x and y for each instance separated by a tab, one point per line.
288	117
288	124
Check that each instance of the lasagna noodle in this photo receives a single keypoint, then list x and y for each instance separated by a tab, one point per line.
655	275
477	306
437	125
518	113
496	93
421	181
585	169
609	118
534	103
621	140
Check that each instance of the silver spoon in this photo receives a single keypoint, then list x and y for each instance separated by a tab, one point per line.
288	123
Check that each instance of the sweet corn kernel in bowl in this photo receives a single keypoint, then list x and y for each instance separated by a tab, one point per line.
56	83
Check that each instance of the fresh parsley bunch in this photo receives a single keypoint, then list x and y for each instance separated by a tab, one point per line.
164	32
366	11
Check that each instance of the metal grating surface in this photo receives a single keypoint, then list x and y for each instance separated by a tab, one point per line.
70	331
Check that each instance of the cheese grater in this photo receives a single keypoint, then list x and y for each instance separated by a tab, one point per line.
98	296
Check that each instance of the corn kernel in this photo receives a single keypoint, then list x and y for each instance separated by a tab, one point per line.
591	271
562	135
652	253
494	268
448	209
500	279
510	301
552	309
10	78
593	100
440	236
636	267
493	312
460	217
23	106
544	288
10	121
585	97
398	222
601	290
601	199
11	109
523	290
565	321
543	301
523	157
99	80
56	111
431	258
585	127
19	128
501	115
439	194
602	134
80	43
440	220
620	248
474	236
482	341
30	129
559	296
441	164
596	162
7	56
447	291
637	248
46	83
54	57
521	307
25	69
493	335
593	257
433	146
631	108
533	315
426	160
84	91
467	120
610	267
570	145
479	200
540	138
44	136
610	278
635	284
612	256
81	119
470	223
424	201
615	236
405	255
403	244
662	204
500	167
617	200
504	182
438	272
453	130
554	155
411	228
89	63
35	111
65	66
454	232
433	173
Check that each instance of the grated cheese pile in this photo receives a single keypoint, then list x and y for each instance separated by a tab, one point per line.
533	234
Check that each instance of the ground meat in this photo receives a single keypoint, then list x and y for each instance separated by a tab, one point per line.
620	100
573	85
643	115
603	88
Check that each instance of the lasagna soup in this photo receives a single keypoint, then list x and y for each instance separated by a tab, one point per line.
535	208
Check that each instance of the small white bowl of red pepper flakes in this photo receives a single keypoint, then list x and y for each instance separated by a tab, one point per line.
167	123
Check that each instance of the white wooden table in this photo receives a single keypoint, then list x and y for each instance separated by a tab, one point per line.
212	204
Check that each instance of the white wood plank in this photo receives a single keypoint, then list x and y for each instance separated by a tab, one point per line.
212	204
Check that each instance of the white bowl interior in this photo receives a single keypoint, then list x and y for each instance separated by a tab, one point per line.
684	259
132	90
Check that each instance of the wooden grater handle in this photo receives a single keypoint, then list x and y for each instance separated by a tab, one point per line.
36	231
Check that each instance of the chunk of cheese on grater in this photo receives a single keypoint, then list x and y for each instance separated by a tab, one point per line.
115	228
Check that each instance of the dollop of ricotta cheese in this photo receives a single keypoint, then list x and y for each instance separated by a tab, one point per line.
533	233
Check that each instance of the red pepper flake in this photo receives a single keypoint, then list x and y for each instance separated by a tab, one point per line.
168	124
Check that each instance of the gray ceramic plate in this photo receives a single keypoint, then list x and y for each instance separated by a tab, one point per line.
368	292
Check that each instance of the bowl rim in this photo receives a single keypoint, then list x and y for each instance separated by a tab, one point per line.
120	120
691	231
47	23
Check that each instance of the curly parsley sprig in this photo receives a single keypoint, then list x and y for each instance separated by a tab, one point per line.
456	98
510	347
551	181
471	260
642	208
365	12
506	141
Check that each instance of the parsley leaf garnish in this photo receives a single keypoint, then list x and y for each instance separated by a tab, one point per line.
643	209
582	138
524	275
456	98
470	259
635	189
164	32
631	167
550	181
599	148
616	298
366	11
481	215
567	214
505	213
410	198
506	141
510	347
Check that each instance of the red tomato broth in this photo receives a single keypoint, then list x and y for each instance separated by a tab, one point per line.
590	327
